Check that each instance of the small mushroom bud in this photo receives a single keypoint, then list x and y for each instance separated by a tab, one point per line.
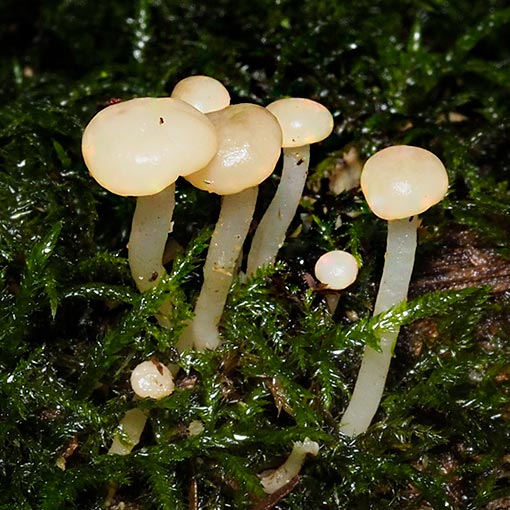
337	270
152	379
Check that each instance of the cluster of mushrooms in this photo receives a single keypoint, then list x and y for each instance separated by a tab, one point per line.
140	147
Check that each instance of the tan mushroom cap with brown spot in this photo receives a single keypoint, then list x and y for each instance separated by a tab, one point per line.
303	121
402	181
141	146
249	138
205	93
152	379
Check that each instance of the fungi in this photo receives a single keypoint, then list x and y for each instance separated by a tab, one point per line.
336	270
152	379
249	147
303	122
139	148
149	379
399	183
275	480
206	94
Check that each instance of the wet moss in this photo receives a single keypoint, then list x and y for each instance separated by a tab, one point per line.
432	74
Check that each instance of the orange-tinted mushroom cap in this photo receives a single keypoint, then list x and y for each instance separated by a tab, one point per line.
141	146
402	181
303	121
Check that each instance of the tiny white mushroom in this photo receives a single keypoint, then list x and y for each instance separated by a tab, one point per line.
152	379
281	476
303	122
399	183
337	270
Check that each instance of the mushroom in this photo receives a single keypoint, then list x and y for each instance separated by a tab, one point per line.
399	183
149	379
152	379
275	480
337	270
206	94
303	122
140	147
249	147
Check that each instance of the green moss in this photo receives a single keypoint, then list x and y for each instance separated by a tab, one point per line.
73	325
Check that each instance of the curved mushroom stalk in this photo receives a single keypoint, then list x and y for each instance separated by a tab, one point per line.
275	480
303	122
400	250
219	269
149	232
270	234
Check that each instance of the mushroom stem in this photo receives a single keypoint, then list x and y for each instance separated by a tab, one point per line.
369	387
128	432
270	234
226	243
149	233
276	479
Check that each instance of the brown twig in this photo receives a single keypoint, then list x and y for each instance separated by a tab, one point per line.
276	497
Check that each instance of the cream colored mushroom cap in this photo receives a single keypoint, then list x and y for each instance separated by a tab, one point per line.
402	181
337	269
303	121
206	94
151	379
249	138
141	146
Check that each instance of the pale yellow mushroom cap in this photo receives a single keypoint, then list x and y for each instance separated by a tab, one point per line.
303	121
402	181
141	146
151	379
206	94
337	269
250	140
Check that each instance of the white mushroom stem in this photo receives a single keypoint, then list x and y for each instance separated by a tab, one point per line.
149	232
398	266
278	478
129	432
270	234
226	243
